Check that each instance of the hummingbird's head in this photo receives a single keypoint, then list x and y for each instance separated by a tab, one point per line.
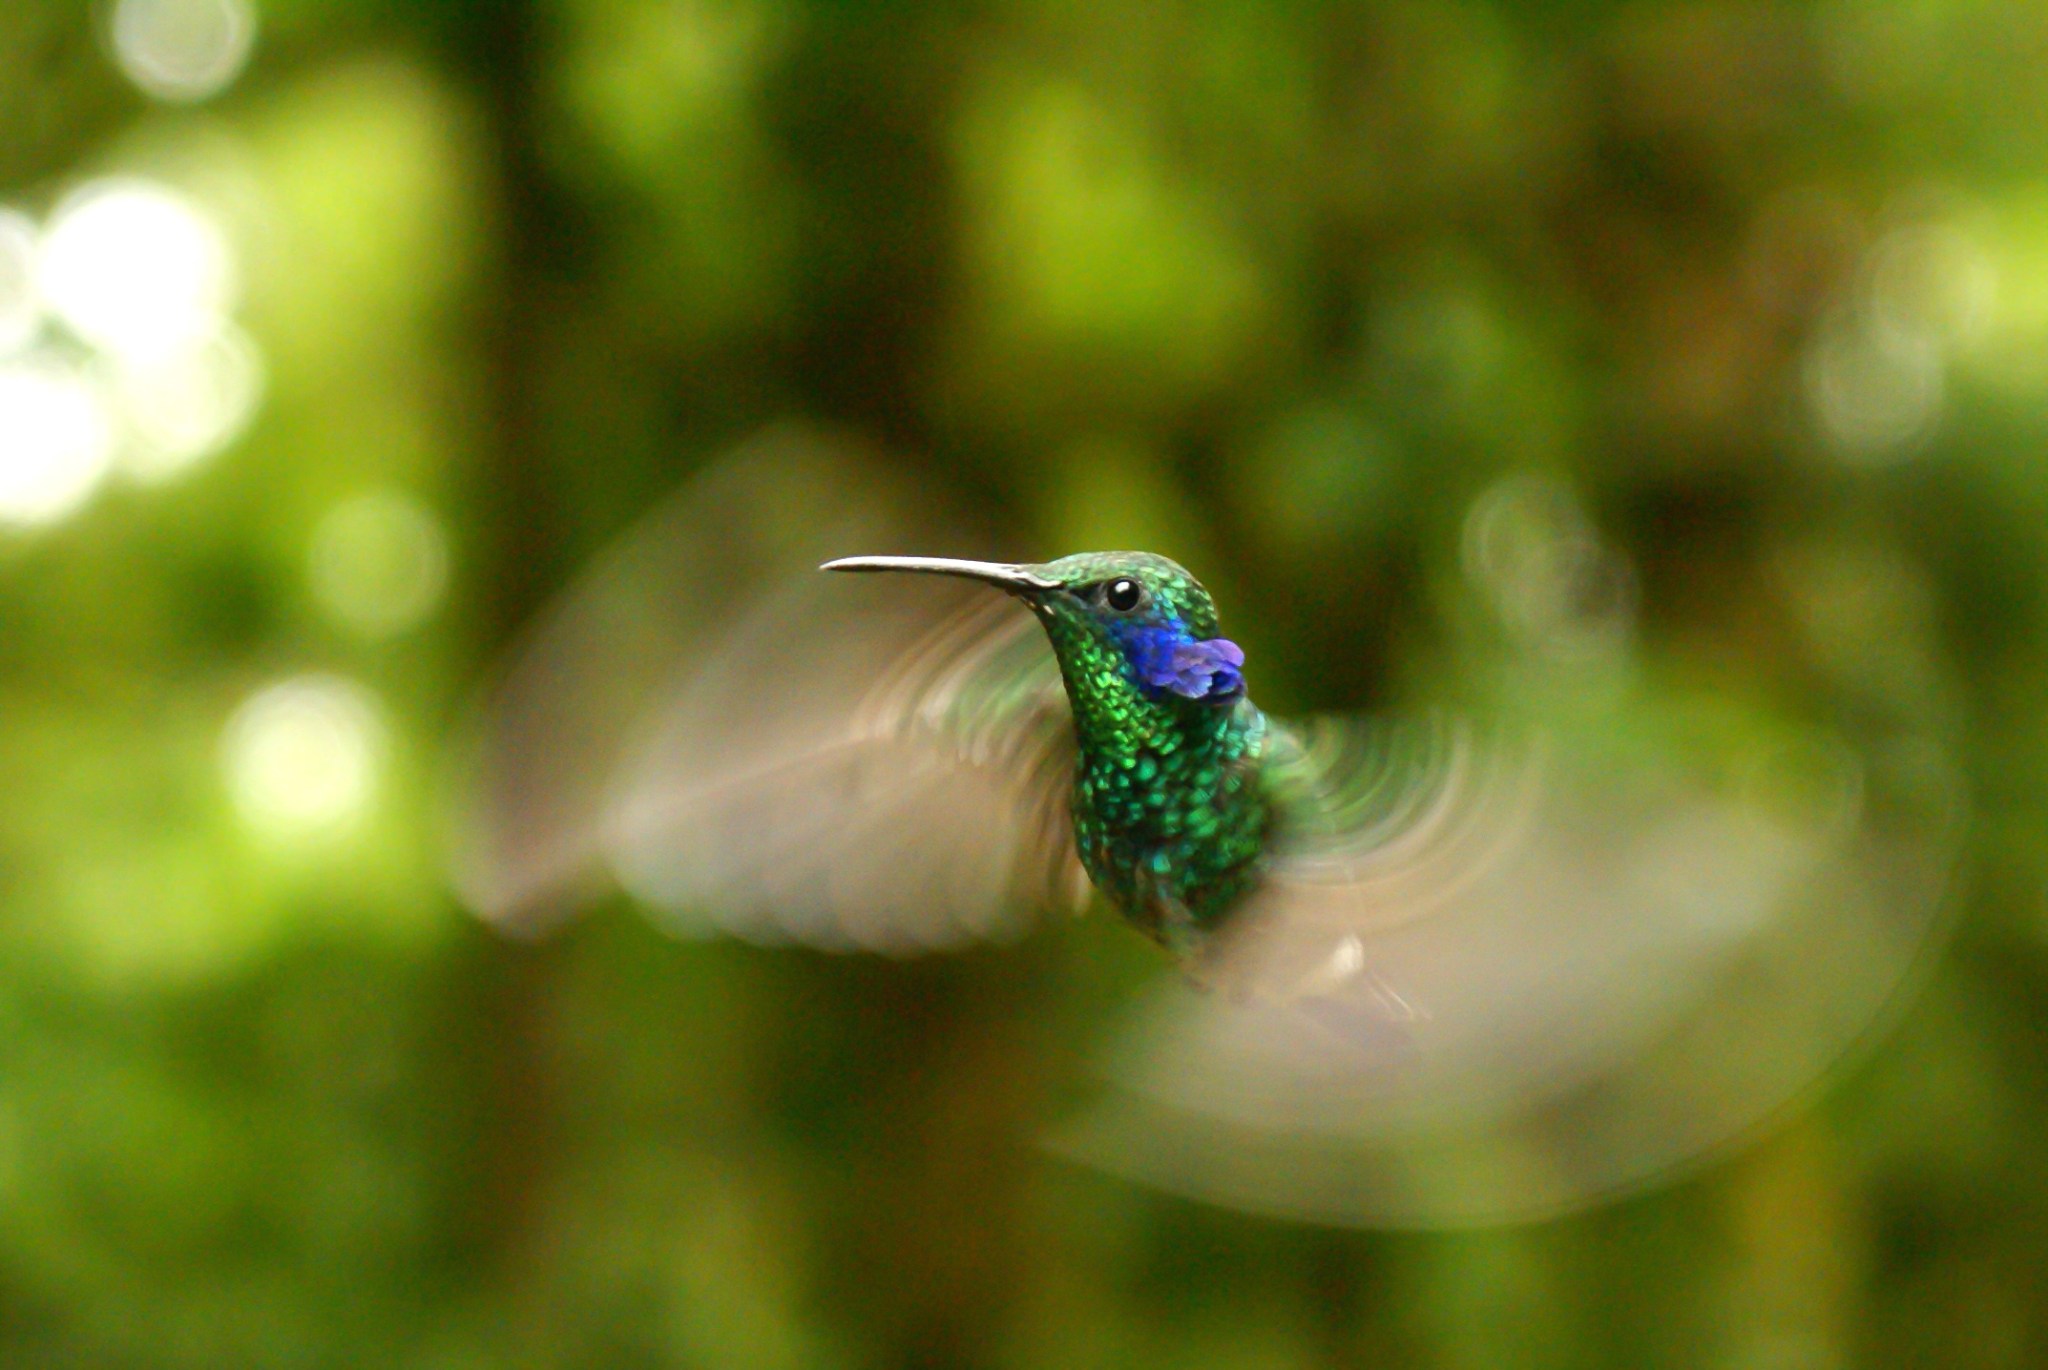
1134	614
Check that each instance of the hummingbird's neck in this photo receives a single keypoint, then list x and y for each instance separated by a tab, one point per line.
1115	716
1169	817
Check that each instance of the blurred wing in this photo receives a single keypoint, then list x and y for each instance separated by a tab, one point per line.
747	744
1492	979
850	776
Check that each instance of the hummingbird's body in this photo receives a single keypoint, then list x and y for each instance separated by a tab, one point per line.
1170	810
1170	824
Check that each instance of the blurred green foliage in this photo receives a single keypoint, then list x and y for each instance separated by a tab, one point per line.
1277	288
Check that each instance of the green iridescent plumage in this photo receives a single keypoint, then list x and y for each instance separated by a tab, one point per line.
1169	815
1170	811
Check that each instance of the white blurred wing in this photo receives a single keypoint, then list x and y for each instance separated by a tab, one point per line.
1501	979
850	776
750	745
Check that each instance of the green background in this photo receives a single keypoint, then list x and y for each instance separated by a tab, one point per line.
1279	288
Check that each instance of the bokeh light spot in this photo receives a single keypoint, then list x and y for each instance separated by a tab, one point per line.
1875	390
1933	278
302	755
136	268
56	440
1531	548
183	50
185	405
379	563
20	312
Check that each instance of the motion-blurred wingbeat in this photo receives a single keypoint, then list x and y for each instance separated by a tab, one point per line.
1424	971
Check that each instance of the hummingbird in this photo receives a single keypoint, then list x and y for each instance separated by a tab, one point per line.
1417	969
1172	810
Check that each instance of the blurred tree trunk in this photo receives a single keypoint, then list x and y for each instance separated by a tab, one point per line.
506	989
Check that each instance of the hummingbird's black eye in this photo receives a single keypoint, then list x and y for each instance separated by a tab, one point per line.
1123	594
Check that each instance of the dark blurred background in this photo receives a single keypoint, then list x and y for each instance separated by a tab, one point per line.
335	336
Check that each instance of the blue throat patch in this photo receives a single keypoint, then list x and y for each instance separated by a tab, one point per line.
1167	657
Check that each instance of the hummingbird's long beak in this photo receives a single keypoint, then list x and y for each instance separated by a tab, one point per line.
1019	580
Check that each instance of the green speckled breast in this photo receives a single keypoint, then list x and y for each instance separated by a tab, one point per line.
1169	815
